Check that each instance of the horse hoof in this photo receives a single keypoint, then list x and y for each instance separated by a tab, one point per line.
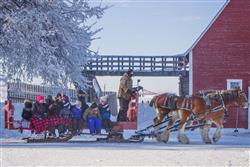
164	141
183	139
184	142
208	142
158	138
165	137
215	140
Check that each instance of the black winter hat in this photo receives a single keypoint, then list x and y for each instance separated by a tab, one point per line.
93	105
27	104
130	71
81	92
59	95
49	97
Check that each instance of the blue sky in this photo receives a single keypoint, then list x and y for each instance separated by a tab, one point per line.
147	27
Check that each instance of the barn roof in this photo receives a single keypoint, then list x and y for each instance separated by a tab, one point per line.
207	28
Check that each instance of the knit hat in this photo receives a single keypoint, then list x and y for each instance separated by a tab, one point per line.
130	72
65	97
39	99
49	97
58	95
93	105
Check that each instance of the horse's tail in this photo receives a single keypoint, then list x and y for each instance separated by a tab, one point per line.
151	103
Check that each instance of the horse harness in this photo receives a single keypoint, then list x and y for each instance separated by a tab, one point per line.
170	102
221	106
208	101
186	105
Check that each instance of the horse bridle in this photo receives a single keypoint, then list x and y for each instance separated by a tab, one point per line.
240	94
219	107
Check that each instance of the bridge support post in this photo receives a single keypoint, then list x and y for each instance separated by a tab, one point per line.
90	88
184	84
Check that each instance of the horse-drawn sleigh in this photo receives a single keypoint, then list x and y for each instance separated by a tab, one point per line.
180	112
190	112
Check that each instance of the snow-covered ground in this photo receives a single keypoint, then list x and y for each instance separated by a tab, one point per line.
232	150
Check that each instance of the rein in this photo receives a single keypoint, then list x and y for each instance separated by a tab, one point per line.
207	101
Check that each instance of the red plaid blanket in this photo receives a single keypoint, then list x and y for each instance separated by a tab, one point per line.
40	125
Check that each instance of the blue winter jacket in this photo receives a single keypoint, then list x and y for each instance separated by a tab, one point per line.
105	111
76	112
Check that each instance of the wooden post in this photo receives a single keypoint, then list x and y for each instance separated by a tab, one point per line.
90	89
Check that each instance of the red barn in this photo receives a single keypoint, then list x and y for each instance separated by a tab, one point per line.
220	58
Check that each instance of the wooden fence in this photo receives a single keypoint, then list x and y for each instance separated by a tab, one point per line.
20	91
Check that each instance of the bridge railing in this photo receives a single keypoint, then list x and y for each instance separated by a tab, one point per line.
137	63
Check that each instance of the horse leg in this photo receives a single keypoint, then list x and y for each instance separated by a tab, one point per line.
160	116
217	134
181	136
204	132
165	135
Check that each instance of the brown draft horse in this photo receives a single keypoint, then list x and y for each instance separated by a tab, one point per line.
211	113
161	103
225	99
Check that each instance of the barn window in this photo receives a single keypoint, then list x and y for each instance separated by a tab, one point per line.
234	83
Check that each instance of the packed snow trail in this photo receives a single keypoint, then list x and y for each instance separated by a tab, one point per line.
146	154
232	150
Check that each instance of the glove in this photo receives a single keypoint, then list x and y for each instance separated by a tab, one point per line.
139	88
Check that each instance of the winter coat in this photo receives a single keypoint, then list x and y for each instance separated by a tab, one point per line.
81	95
55	108
76	112
84	106
65	112
39	110
27	110
48	103
105	111
91	112
27	114
125	87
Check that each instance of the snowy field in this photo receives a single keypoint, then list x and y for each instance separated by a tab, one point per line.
232	150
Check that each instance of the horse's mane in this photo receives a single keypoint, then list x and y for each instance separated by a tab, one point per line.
229	94
206	92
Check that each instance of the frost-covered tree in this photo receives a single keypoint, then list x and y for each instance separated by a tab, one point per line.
49	39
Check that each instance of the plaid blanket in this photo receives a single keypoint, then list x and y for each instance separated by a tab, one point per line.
40	125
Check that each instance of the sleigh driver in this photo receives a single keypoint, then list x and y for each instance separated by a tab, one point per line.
125	93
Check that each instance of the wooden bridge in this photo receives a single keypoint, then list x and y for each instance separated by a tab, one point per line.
142	65
108	65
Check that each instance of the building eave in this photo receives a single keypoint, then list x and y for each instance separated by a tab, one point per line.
208	27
